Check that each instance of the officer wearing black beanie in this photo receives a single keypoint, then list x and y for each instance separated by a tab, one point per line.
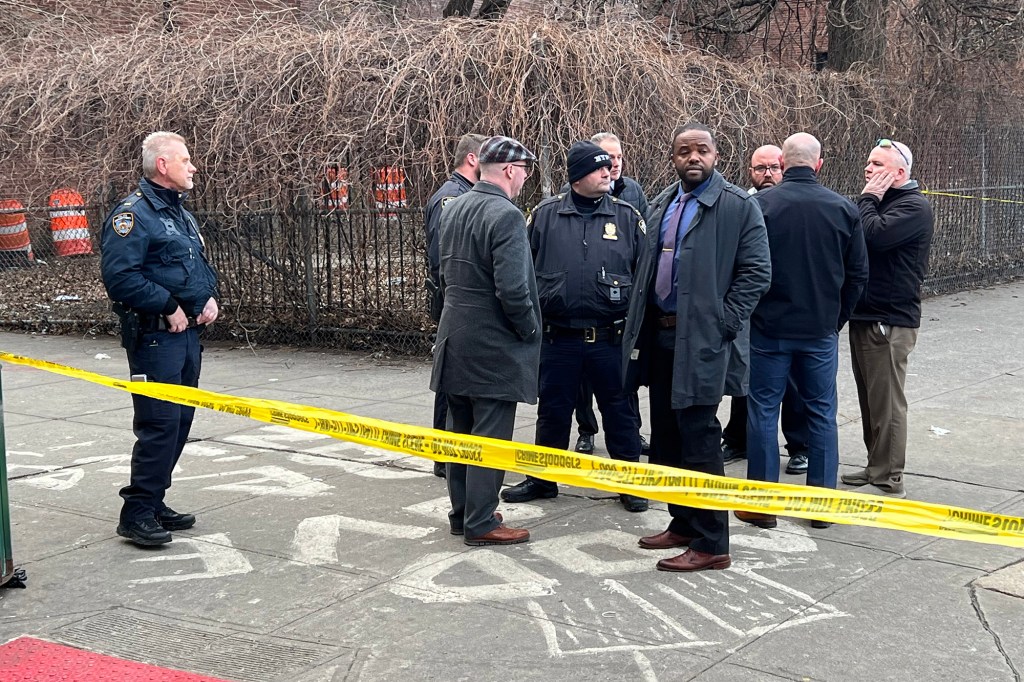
629	190
585	248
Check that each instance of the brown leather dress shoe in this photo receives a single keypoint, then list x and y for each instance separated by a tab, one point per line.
500	536
666	539
759	520
692	560
459	530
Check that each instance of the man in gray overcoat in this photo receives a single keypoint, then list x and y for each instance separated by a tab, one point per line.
705	266
487	355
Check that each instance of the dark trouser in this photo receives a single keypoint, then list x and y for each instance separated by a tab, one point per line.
686	439
161	428
564	361
794	422
441	411
474	490
811	365
585	417
880	370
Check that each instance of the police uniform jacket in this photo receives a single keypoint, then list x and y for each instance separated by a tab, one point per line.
153	257
585	263
455	186
488	339
724	268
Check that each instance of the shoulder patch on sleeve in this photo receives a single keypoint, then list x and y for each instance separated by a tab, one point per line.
122	223
643	226
445	200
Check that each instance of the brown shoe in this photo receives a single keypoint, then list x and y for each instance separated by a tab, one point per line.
692	560
759	520
666	539
458	530
500	536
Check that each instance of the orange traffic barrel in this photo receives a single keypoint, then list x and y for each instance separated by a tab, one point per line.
68	223
15	245
389	188
335	196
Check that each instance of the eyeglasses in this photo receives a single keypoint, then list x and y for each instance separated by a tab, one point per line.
886	143
525	166
774	169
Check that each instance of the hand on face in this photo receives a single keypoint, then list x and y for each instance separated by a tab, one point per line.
878	183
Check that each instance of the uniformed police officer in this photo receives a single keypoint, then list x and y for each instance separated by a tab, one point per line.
585	247
155	270
629	190
465	175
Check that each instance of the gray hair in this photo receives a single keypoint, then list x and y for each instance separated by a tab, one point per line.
154	146
602	137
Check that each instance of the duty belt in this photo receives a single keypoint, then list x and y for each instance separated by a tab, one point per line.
588	334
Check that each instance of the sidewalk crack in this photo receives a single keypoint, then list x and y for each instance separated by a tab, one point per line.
995	636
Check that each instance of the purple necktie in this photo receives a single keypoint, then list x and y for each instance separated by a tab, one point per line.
663	281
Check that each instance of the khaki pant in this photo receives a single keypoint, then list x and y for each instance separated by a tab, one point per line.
880	369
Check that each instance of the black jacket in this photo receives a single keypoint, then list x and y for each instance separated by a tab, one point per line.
898	233
630	191
819	263
153	259
455	186
584	263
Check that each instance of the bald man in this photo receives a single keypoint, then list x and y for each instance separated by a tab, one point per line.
765	168
765	171
819	267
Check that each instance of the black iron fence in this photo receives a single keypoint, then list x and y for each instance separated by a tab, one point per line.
354	277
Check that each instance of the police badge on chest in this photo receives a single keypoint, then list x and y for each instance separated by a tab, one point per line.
610	232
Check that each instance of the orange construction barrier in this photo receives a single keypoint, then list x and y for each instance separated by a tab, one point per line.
389	189
15	244
68	224
335	196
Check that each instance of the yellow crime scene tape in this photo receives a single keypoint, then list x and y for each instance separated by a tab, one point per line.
970	196
645	480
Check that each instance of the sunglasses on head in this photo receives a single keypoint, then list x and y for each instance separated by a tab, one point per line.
886	143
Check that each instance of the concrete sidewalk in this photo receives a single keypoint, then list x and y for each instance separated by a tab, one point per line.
316	559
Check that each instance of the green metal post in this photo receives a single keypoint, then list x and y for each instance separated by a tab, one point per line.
7	571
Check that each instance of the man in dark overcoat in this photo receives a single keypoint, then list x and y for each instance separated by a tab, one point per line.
705	266
465	175
487	355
